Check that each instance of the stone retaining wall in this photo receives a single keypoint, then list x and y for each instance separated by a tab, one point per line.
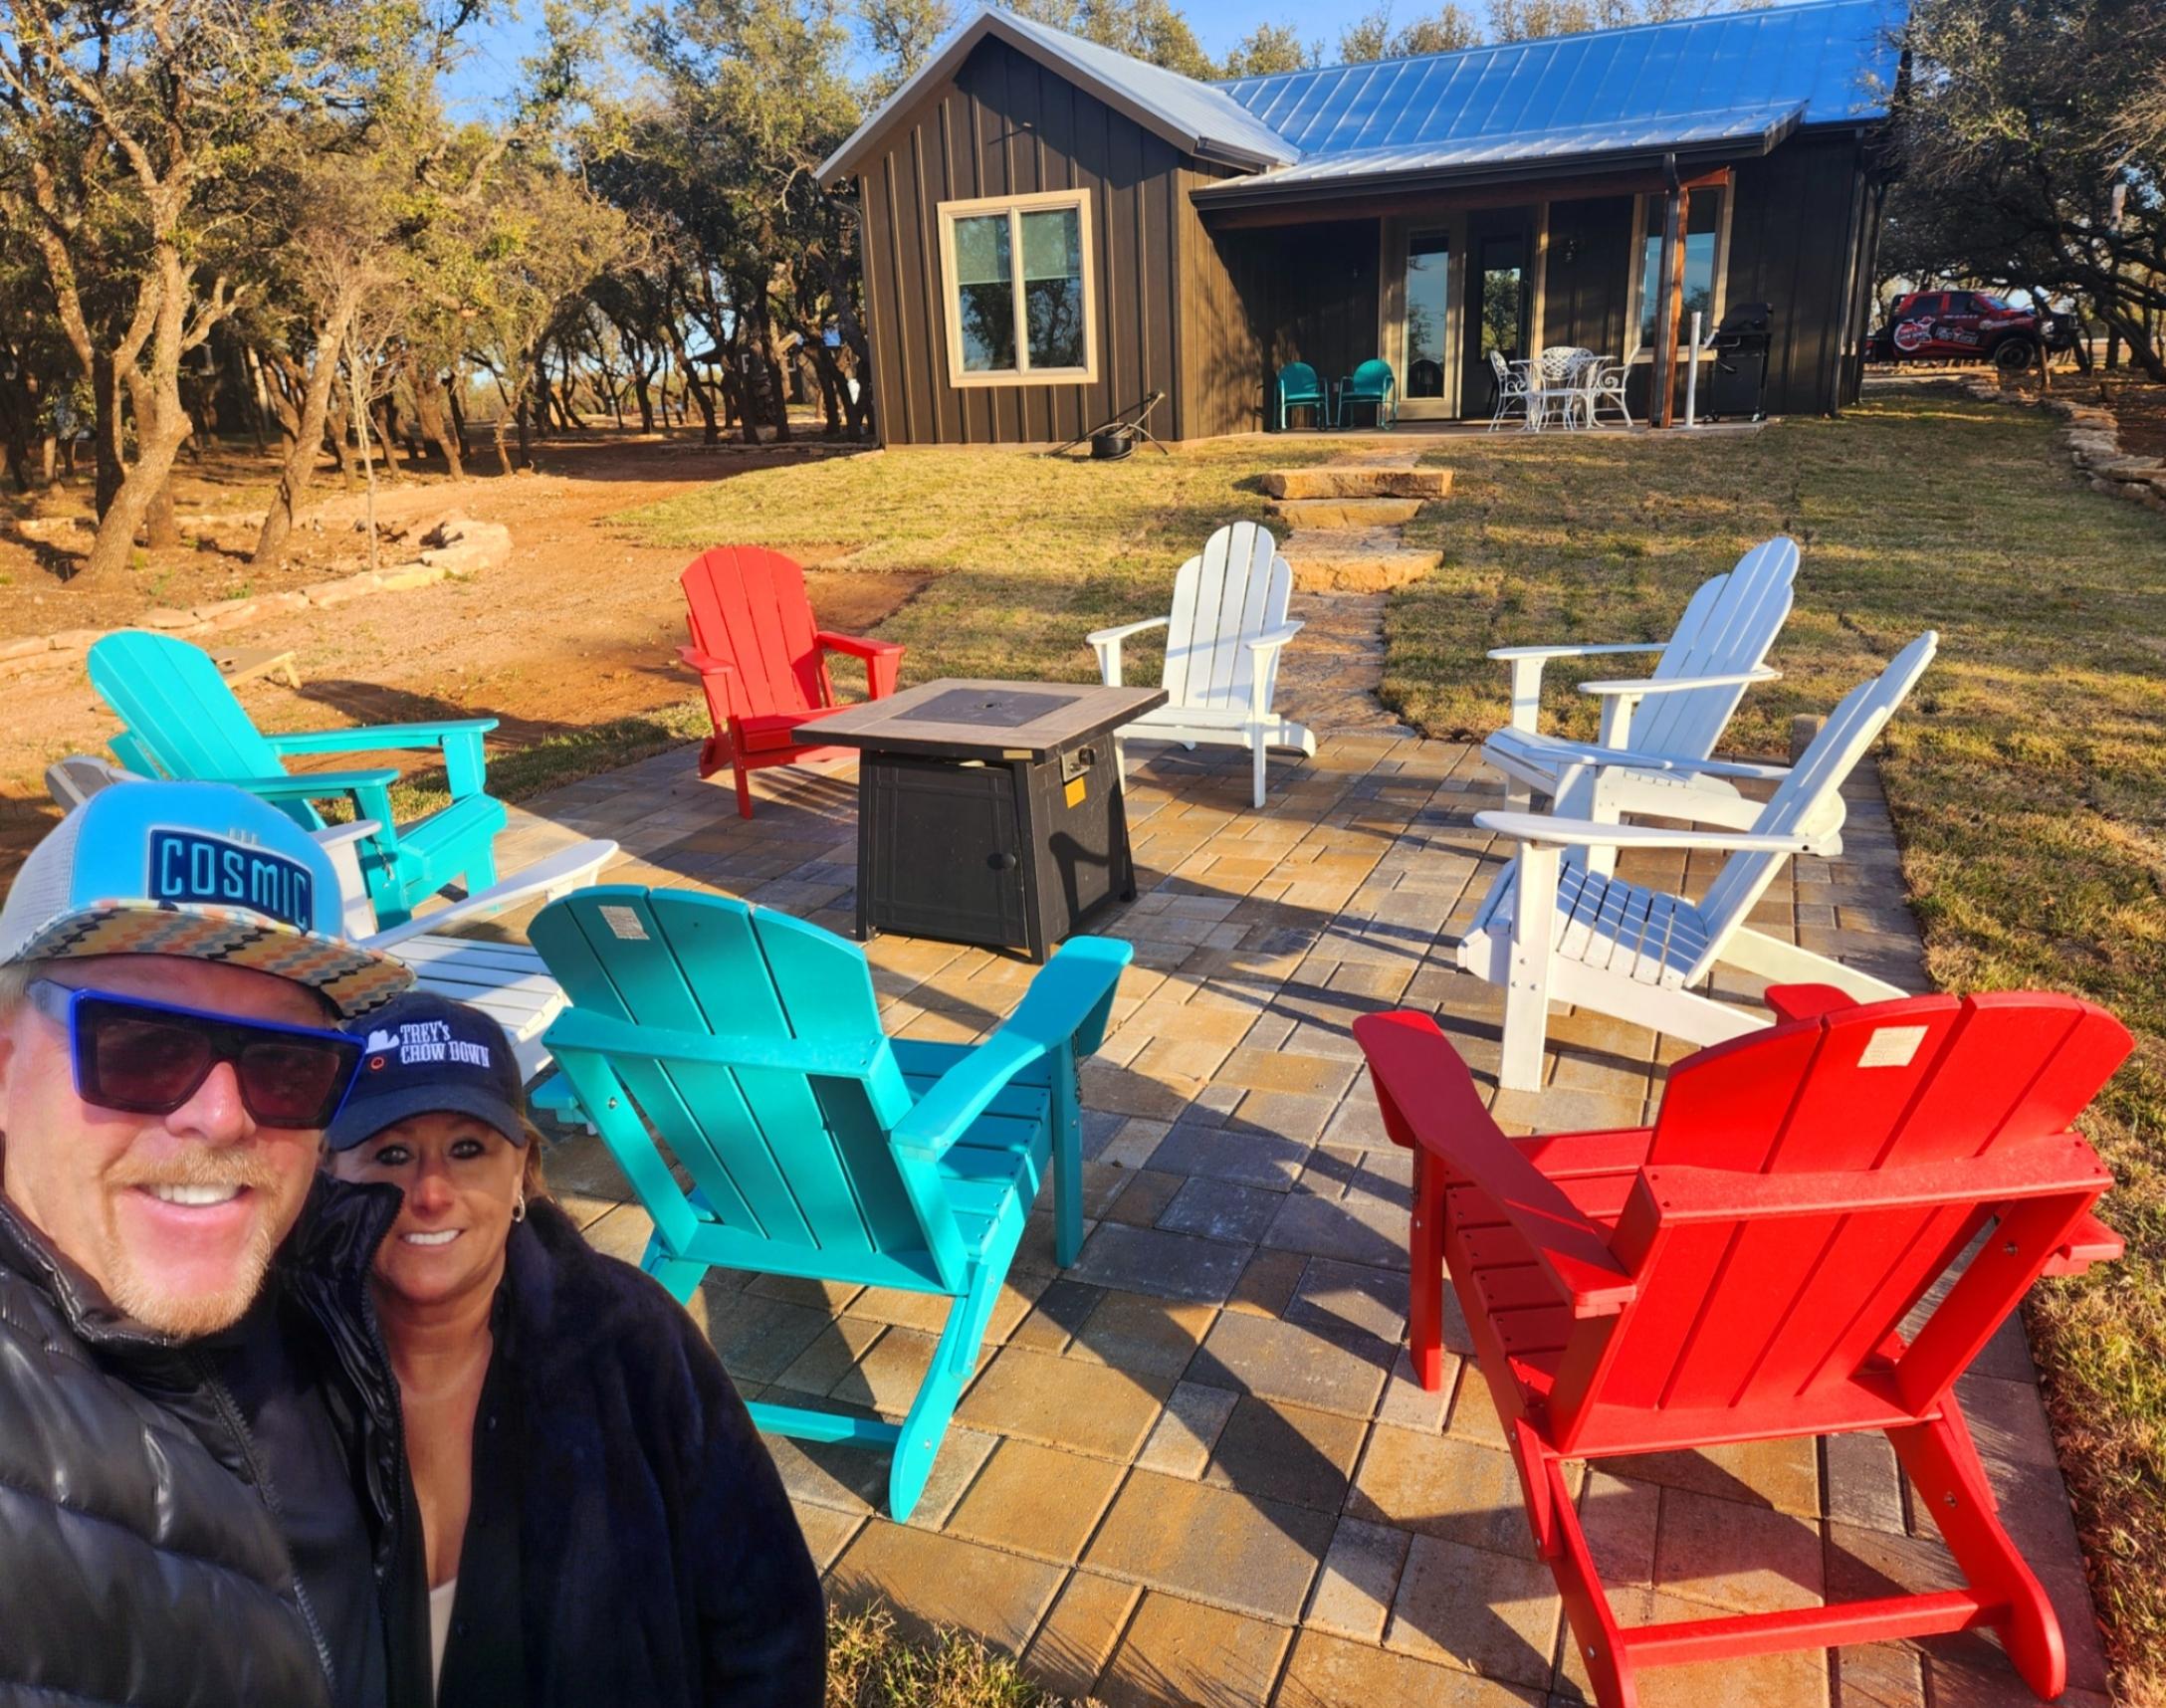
455	546
2093	441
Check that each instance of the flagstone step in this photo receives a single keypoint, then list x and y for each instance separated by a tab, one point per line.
1343	481
1355	560
1347	511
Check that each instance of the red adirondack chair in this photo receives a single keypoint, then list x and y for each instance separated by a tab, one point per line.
762	662
1741	1271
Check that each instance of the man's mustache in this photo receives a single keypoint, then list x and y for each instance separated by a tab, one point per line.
197	1167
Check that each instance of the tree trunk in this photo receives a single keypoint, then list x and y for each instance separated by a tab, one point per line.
108	434
458	414
429	400
157	443
387	437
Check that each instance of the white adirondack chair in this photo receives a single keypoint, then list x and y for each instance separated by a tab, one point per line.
1223	643
1549	930
1716	652
507	980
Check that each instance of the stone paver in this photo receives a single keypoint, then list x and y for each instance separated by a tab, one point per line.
1195	1466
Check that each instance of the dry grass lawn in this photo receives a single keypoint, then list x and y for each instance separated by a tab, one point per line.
2027	777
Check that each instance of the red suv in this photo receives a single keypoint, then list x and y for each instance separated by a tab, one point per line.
1961	326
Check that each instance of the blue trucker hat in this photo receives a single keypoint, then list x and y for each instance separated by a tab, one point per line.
201	871
424	1054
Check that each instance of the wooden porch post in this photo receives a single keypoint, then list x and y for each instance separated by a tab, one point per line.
1671	299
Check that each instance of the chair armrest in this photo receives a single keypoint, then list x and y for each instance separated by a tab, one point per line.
1623	759
340	835
567	868
1065	1007
1429	1098
314	785
1114	636
1805	1001
706	663
1547	652
1681	684
1107	644
856	647
883	659
367	739
1585	833
1276	639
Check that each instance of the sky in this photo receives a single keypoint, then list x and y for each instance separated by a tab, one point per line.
492	62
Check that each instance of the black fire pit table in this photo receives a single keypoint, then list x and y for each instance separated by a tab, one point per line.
989	812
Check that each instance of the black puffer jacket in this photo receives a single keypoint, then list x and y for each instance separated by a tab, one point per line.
657	1559
138	1565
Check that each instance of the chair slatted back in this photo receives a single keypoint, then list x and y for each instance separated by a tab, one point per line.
1728	627
181	714
1810	799
746	606
1758	1313
795	1159
1233	590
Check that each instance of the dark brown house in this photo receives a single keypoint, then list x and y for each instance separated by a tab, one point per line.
1052	229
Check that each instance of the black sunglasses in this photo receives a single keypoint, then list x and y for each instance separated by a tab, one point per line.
151	1058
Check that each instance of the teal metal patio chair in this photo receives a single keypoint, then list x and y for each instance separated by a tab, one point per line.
1297	387
1373	383
749	1043
182	721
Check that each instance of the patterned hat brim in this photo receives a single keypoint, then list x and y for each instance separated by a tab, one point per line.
351	978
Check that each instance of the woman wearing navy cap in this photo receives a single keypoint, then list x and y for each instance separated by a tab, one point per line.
598	1521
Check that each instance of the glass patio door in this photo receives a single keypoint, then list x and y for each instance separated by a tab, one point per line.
1500	291
1420	315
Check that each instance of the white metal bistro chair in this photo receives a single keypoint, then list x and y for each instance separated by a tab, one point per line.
1602	382
1555	387
1511	389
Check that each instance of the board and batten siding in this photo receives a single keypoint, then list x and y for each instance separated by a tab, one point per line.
1006	126
1795	234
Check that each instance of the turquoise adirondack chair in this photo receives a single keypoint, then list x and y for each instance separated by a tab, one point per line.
182	721
1297	387
749	1043
1373	383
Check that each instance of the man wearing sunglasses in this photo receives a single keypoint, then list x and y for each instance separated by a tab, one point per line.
187	1511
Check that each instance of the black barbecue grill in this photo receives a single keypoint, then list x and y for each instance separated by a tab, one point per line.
1739	390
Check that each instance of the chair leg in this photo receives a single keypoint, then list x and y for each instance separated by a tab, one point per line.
1951	1484
926	1425
1526	990
1593	1627
679	1275
1426	1256
1067	1158
1256	765
743	791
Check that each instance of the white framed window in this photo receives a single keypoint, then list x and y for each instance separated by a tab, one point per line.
1706	267
1017	275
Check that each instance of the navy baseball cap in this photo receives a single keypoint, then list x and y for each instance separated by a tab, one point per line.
424	1054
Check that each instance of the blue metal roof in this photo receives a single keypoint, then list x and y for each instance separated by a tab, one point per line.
1748	129
1747	78
1833	59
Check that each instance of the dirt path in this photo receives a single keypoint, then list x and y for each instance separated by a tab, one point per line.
580	626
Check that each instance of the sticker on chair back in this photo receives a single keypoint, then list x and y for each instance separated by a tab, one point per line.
187	865
624	923
1076	790
1891	1046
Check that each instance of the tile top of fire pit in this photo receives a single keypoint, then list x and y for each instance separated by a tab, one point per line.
968	717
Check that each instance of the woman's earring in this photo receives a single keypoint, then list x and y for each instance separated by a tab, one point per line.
518	1205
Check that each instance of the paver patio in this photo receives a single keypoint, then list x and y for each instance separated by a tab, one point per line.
1195	1466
